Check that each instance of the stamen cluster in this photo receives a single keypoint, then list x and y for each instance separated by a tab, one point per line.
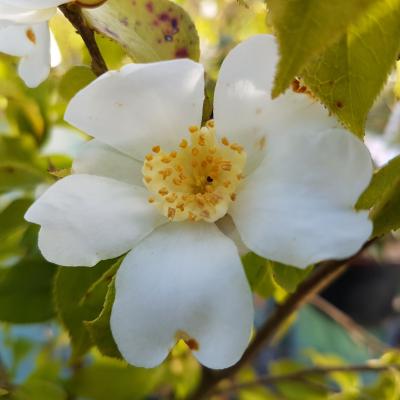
198	181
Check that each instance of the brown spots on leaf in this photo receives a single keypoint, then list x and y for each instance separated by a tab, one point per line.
111	33
163	17
297	87
8	169
174	24
124	21
339	104
182	53
169	25
150	7
31	35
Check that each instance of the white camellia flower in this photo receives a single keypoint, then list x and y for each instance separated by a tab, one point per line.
153	181
24	33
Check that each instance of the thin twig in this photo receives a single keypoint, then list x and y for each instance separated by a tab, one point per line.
74	14
4	377
356	331
306	373
326	273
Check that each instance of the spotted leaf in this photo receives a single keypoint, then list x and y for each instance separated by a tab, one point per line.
149	30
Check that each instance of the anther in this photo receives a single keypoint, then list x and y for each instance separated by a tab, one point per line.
171	198
171	213
177	181
192	217
198	180
226	165
183	144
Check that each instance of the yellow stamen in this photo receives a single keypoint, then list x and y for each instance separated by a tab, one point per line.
196	182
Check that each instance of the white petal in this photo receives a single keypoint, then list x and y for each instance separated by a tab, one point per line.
183	277
86	218
14	39
298	206
20	15
141	106
33	4
34	68
243	109
97	158
228	228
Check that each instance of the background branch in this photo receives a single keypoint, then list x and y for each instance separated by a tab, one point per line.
303	374
324	274
356	331
74	15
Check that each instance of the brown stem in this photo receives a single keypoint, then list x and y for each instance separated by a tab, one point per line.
326	273
307	373
74	15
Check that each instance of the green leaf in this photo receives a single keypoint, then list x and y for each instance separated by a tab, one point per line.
79	296
100	330
26	291
296	389
346	380
305	28
349	75
383	196
149	30
74	80
269	278
35	389
386	388
288	277
258	275
12	218
113	379
18	167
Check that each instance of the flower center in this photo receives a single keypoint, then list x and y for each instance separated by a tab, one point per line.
197	181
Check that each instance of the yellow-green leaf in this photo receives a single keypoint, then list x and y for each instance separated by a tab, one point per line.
304	28
149	30
79	295
349	75
100	329
383	196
